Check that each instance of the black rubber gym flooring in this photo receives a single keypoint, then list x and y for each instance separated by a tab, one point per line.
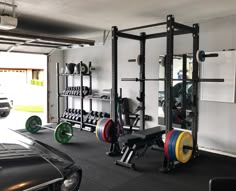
101	174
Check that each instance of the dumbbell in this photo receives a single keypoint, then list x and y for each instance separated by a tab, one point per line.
90	117
85	90
62	133
77	92
78	117
94	119
106	115
201	56
83	68
66	113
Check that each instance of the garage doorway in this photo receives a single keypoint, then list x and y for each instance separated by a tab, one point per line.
23	81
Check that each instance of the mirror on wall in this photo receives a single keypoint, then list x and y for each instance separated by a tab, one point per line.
221	67
177	89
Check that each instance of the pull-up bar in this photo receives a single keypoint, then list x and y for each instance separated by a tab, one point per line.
142	27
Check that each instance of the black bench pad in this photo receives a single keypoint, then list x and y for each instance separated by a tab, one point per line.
150	133
129	139
140	136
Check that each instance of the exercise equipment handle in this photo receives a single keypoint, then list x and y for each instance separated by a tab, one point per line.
211	55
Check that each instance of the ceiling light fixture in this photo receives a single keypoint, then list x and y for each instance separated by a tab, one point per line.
8	22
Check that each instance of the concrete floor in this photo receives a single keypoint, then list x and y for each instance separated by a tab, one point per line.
16	119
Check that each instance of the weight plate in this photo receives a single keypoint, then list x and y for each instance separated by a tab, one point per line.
33	124
101	127
173	143
167	140
171	157
99	124
184	139
106	126
200	56
83	68
108	131
63	132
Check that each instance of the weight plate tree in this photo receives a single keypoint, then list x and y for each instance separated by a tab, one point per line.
62	133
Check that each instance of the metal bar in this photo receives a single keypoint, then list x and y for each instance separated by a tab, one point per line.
183	27
169	74
46	38
142	83
156	35
141	27
90	87
164	34
179	32
81	98
174	79
129	36
8	4
58	93
187	147
114	96
195	93
132	60
27	52
184	77
211	80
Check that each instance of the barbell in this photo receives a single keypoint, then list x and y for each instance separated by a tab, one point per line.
62	133
163	79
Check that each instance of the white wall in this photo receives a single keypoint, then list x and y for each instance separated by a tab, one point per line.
216	120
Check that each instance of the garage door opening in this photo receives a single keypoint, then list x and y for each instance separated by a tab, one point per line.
23	86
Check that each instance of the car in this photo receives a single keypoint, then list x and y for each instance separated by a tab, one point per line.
28	164
5	104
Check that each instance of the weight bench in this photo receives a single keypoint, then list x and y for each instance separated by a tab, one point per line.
222	184
138	140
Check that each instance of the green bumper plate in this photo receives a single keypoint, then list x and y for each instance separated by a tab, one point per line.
33	124
63	132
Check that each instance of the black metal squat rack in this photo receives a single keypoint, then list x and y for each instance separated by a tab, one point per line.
172	29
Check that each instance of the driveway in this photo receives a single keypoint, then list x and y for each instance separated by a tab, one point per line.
16	119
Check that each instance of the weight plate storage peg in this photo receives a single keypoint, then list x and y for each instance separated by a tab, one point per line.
33	124
184	154
63	132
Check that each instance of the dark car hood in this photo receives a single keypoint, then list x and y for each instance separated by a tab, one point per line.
25	163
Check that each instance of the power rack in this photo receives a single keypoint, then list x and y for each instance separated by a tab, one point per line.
172	29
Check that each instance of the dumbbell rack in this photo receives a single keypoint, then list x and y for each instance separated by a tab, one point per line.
83	125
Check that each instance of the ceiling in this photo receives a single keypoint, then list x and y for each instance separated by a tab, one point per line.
80	18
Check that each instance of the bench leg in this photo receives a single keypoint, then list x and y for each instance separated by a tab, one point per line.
127	157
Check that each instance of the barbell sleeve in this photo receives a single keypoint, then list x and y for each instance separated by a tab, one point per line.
187	147
132	60
211	55
211	80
